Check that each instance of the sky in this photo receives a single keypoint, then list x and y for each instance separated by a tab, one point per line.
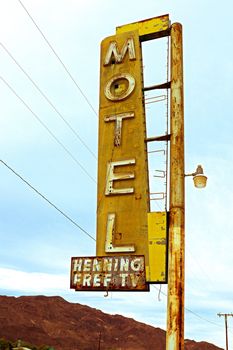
50	52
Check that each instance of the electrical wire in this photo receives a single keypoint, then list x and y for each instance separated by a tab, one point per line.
190	311
203	271
57	56
48	130
48	201
47	99
202	318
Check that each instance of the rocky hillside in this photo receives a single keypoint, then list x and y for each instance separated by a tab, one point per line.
68	326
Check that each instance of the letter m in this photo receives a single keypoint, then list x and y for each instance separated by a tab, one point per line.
113	54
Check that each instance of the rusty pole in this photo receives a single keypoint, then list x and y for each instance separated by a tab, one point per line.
175	302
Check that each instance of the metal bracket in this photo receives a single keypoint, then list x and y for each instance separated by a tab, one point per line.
158	87
162	194
162	172
155	99
166	137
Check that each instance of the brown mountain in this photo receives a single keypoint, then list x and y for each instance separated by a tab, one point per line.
68	326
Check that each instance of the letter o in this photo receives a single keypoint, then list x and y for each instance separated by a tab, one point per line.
125	93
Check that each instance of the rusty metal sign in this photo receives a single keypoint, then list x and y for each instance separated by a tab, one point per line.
115	273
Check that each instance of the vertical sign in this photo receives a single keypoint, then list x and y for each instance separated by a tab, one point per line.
123	200
131	241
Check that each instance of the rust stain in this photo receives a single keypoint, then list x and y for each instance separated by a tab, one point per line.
175	317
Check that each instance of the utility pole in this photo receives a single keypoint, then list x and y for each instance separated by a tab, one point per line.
175	305
176	252
225	316
99	342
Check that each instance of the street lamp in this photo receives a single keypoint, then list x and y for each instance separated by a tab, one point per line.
199	178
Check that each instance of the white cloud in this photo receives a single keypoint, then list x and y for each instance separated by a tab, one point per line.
32	282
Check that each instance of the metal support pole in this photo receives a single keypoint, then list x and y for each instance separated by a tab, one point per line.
175	302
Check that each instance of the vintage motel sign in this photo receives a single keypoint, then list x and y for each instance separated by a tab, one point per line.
126	230
122	204
123	189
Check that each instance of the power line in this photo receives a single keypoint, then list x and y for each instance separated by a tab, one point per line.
48	130
48	201
203	271
202	318
57	56
190	311
47	99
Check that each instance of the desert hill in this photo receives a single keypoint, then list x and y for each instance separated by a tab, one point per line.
72	326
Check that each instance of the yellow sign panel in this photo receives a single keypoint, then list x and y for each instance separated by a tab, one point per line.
157	235
123	201
147	27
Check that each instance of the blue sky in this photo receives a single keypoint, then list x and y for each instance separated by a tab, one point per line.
36	241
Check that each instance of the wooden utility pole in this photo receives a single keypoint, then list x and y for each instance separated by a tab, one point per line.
225	316
99	342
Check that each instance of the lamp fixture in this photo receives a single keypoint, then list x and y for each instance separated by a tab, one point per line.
199	178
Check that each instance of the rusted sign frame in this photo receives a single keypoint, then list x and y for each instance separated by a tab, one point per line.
148	29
